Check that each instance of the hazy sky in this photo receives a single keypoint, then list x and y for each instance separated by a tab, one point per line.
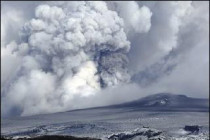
57	56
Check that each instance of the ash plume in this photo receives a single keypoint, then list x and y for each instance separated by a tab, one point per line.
58	56
66	51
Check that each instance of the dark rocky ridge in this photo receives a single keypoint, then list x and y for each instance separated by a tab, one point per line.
192	128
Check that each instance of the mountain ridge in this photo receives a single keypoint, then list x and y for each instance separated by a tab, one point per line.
159	103
167	101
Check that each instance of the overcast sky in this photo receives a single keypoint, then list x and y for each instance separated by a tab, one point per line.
68	55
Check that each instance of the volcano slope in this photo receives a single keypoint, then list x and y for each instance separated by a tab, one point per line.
165	113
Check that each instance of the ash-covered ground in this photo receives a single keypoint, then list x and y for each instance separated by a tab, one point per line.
101	123
123	122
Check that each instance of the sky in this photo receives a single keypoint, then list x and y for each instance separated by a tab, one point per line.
58	56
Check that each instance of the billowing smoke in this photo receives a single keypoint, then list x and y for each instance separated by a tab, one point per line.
66	51
72	55
137	19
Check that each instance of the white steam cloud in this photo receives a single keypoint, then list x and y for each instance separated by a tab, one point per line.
137	19
58	56
66	53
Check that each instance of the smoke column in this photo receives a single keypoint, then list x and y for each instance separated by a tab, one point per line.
66	51
71	55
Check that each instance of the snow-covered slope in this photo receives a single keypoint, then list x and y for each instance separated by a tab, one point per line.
116	121
167	101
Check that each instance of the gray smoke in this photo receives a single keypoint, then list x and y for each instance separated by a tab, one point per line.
72	55
183	36
66	51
